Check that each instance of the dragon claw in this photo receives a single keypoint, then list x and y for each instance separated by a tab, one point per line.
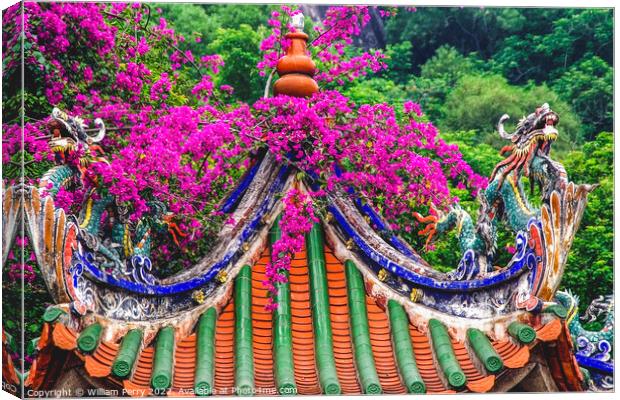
431	225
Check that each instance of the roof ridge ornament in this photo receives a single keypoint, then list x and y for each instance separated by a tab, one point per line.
296	68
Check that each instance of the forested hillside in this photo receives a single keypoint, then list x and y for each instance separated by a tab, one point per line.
467	67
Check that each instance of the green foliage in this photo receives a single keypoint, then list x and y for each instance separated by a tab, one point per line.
447	65
239	50
398	61
203	20
374	91
481	156
588	87
470	29
545	54
569	50
437	79
477	103
589	270
231	31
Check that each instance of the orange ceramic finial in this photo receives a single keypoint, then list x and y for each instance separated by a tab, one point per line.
296	68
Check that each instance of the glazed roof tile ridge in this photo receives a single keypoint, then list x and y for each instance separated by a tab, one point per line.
341	327
323	335
401	337
243	347
304	355
512	355
262	330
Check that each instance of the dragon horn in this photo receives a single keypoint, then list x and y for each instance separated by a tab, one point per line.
101	133
61	117
57	113
500	127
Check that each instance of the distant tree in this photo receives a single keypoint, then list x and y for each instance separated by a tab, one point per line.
448	65
374	91
437	79
590	267
239	50
399	62
588	87
468	29
543	55
477	102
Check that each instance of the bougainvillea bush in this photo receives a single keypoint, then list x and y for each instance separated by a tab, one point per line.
175	137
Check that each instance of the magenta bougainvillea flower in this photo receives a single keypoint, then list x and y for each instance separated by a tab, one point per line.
174	140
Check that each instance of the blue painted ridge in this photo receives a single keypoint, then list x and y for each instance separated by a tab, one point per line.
197	282
517	268
376	219
592	363
372	214
229	204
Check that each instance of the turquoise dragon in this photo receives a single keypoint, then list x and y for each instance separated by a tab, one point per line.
104	224
602	305
591	344
504	198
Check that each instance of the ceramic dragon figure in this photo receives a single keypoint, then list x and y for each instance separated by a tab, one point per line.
104	225
504	198
592	344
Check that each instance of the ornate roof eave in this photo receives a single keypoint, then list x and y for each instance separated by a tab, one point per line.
349	234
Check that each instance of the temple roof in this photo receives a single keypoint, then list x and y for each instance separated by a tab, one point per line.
339	338
361	311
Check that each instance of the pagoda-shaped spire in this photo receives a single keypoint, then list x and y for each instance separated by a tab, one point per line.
296	68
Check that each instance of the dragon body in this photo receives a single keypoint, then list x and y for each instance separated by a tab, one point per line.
505	198
601	306
104	224
592	344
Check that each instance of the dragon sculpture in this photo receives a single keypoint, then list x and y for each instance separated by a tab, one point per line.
590	344
504	198
105	228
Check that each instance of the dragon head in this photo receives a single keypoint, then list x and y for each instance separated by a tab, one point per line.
570	301
70	134
533	137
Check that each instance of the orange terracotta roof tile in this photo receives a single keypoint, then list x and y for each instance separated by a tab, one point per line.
517	359
341	330
46	336
64	338
385	362
262	330
424	360
481	385
306	377
95	368
144	365
224	379
550	332
134	390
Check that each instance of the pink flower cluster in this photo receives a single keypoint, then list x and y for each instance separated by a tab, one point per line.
393	165
275	44
161	88
17	269
190	156
337	31
297	220
12	142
